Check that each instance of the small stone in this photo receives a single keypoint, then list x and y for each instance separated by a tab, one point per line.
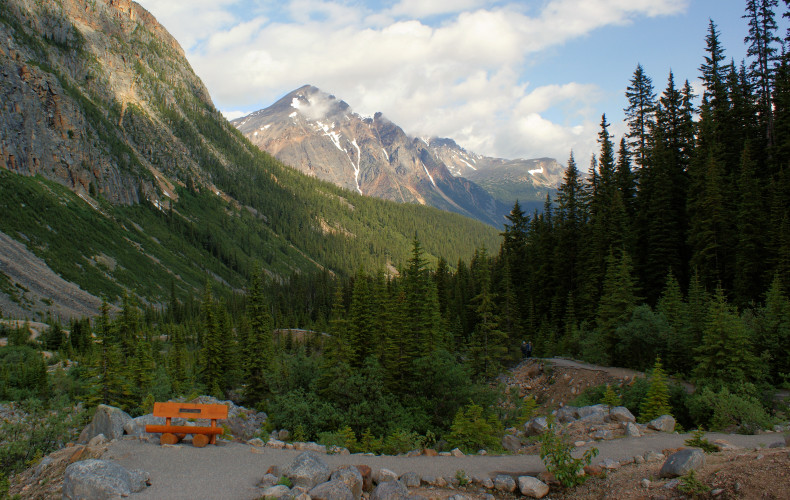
503	482
411	479
457	452
430	452
593	470
645	483
532	487
639	459
671	485
777	444
257	442
384	475
664	423
716	492
268	481
610	464
275	491
579	444
653	456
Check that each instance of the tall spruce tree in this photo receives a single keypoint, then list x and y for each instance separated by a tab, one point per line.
258	352
640	115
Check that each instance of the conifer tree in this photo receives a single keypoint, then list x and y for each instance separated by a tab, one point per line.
750	251
487	347
618	300
640	114
725	355
212	349
762	42
656	402
772	341
679	356
258	351
360	325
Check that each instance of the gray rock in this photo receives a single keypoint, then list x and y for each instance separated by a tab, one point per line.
136	426
664	423
275	443
632	430
639	459
604	434
384	475
315	447
653	456
536	426
283	435
503	482
277	491
511	442
621	414
456	452
586	411
390	490
256	442
566	414
268	480
410	479
532	487
308	469
99	479
98	441
645	483
610	464
107	420
681	462
350	475
331	490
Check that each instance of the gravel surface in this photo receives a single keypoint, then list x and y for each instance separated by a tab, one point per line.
232	470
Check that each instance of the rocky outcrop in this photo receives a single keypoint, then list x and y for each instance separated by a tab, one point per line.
99	480
107	420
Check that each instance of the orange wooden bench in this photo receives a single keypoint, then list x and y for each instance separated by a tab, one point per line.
201	436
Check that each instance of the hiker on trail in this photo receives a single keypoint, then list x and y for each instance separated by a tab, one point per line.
529	349
524	349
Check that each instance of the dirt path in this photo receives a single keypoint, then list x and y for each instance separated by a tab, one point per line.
232	470
620	373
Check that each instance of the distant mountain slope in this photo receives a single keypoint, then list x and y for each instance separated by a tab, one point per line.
321	136
528	181
120	174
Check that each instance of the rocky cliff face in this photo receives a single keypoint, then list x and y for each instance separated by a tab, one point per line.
507	180
320	135
90	91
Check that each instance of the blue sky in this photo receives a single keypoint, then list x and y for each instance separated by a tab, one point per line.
503	78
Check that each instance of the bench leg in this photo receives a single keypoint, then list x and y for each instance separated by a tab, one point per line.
168	438
199	440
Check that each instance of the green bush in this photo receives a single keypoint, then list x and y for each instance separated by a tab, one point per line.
725	410
699	441
343	438
401	441
472	430
555	451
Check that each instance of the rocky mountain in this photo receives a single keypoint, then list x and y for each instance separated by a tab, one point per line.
119	175
528	181
321	136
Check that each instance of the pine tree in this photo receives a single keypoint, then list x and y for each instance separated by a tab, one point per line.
762	41
656	402
751	221
772	341
487	347
618	300
212	349
640	114
679	356
725	355
258	351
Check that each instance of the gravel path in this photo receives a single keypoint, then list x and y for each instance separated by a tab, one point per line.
232	470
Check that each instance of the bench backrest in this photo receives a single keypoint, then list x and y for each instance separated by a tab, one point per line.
189	410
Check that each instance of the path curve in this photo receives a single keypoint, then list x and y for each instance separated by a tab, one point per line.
232	470
614	371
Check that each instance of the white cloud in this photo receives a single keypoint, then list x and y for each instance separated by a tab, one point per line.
462	78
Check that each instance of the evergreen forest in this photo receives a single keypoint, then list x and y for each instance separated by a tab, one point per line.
671	256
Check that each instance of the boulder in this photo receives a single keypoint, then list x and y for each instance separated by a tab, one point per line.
456	452
268	481
410	479
390	490
681	462
256	442
430	452
653	456
352	477
308	469
503	482
314	447
511	442
632	430
331	490
277	491
604	434
536	426
566	414
610	464
532	487
664	423
621	414
107	420
99	479
383	476
275	443
136	426
586	411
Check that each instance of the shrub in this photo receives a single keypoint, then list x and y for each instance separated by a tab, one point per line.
472	430
724	410
610	398
343	438
698	441
462	477
692	486
368	443
656	402
555	451
401	441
